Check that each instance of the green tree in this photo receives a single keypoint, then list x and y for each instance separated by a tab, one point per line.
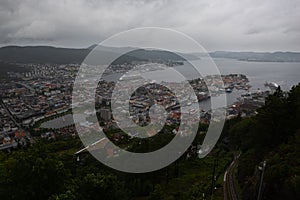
157	193
32	174
99	186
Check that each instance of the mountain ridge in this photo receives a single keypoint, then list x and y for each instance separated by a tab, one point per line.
62	55
277	56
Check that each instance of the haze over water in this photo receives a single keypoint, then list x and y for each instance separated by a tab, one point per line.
285	74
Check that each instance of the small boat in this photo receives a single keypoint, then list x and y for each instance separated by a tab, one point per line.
228	90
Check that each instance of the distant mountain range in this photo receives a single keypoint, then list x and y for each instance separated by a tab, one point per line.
48	54
42	54
258	56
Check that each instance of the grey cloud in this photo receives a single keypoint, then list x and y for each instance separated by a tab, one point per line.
217	25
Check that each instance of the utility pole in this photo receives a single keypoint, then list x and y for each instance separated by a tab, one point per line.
213	180
261	180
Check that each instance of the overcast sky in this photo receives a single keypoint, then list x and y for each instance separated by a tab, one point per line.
251	25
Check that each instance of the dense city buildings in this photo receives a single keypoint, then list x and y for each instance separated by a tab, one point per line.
44	92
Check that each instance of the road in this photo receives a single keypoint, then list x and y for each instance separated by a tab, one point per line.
229	187
10	115
14	119
26	86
